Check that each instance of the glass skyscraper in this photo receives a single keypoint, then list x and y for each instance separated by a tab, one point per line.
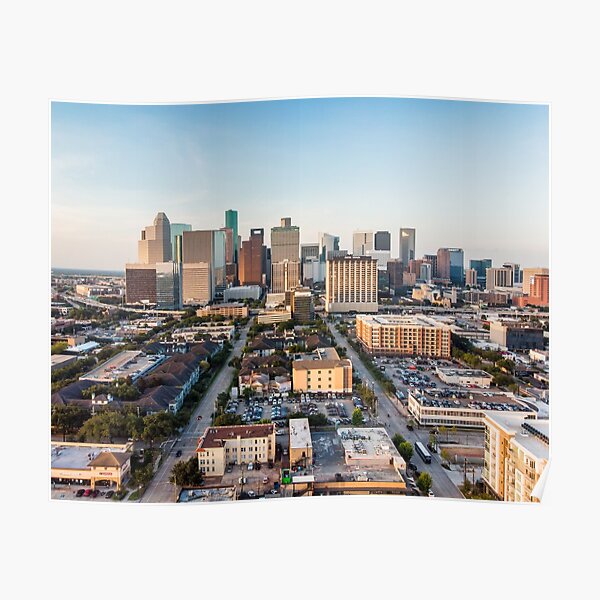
231	221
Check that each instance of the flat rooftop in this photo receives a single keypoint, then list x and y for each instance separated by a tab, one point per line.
399	320
207	494
463	372
79	457
476	400
300	434
531	434
367	442
58	359
129	363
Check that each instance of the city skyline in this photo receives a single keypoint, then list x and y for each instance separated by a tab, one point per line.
412	163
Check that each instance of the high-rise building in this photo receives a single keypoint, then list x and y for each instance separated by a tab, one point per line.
450	265
471	277
516	269
383	241
362	243
498	277
229	245
408	238
207	246
351	284
155	245
528	274
426	273
309	255
432	260
309	250
443	263
196	287
168	285
303	309
327	244
481	265
177	230
285	275
395	269
252	259
155	284
285	256
231	222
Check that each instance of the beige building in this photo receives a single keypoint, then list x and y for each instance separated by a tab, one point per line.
300	448
351	284
90	464
196	283
413	335
231	310
498	277
515	456
528	274
155	245
235	445
285	275
464	377
471	277
268	317
325	373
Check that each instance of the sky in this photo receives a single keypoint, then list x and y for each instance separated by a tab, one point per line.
473	175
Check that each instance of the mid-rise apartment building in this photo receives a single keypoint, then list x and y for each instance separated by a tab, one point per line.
499	277
405	335
235	445
516	452
326	372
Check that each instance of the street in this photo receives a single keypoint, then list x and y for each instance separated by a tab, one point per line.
160	489
442	486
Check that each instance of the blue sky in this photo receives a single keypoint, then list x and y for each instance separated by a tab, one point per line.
468	174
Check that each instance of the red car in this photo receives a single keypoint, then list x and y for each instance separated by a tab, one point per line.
87	493
95	493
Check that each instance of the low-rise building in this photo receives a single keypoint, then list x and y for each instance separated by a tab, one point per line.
516	335
516	454
412	335
60	361
461	408
235	445
300	448
268	317
464	377
242	292
90	464
322	372
368	447
129	363
215	331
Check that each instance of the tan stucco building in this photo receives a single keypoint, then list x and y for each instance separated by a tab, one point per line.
516	453
300	449
235	445
327	374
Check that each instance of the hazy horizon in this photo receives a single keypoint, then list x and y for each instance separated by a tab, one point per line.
473	175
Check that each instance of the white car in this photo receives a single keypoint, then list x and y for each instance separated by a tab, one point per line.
431	494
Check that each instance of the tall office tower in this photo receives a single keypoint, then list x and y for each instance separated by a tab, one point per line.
177	230
425	273
528	274
362	243
140	283
168	285
309	250
285	276
414	266
383	241
498	277
432	260
285	246
395	269
313	271
207	246
540	289
450	265
309	253
481	265
408	237
351	284
471	277
252	259
229	245
516	269
231	222
196	287
155	243
328	243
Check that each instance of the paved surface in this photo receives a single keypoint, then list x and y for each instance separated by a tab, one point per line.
396	423
160	489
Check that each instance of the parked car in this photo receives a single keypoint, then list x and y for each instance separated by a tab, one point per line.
250	466
80	493
178	453
95	493
109	494
431	494
87	493
265	480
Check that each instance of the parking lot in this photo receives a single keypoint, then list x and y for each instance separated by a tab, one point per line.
79	492
256	482
337	408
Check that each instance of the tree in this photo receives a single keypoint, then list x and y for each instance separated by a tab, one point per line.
424	482
227	419
406	451
158	426
357	417
58	347
68	419
398	439
186	473
105	426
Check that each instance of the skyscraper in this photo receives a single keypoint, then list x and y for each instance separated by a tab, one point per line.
408	237
529	273
498	277
362	243
253	258
450	265
516	269
231	222
155	245
207	246
328	243
383	240
285	246
177	229
351	284
481	265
